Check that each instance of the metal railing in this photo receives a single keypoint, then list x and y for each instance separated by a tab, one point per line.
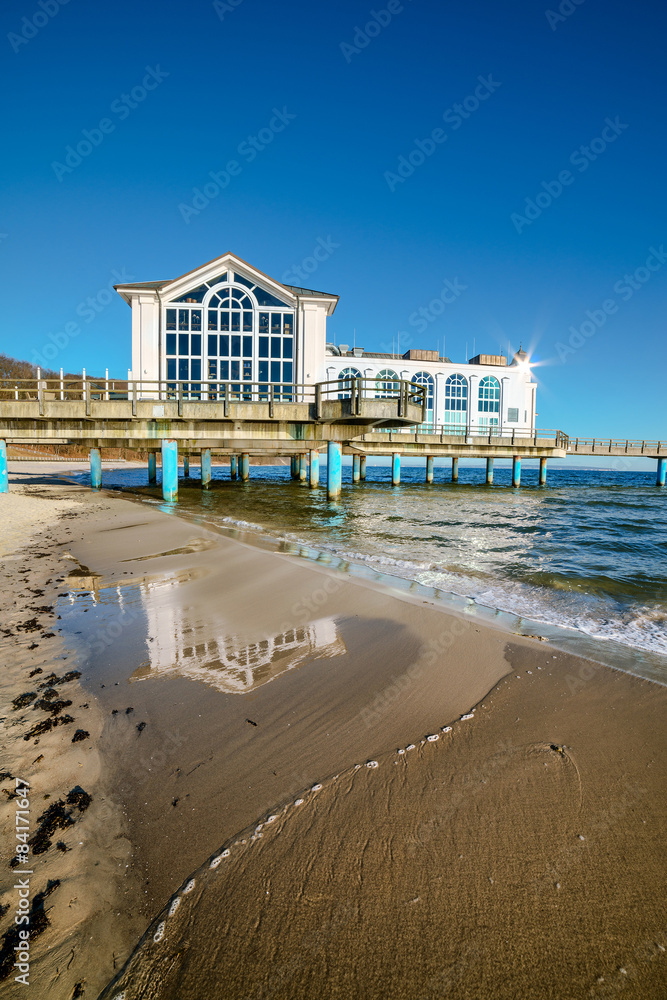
490	435
607	445
359	389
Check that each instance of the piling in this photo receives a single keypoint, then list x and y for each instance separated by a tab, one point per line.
429	469
95	468
662	472
186	466
334	469
4	475
233	466
516	471
244	465
489	471
356	468
395	468
303	467
455	470
543	472
314	469
169	469
152	468
362	468
294	467
205	468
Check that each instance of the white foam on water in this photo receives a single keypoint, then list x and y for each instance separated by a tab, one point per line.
446	729
159	934
190	886
469	715
174	906
372	763
433	738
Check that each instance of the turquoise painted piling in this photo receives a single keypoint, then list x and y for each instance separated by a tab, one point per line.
233	467
489	471
516	471
152	468
334	469
395	468
429	469
4	475
205	468
455	470
543	472
95	468
294	466
186	466
314	465
356	468
303	467
662	472
169	469
362	468
245	467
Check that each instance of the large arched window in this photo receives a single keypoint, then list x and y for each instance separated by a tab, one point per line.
230	330
386	383
423	378
456	400
345	380
489	401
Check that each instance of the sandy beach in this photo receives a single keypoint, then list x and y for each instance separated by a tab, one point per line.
296	783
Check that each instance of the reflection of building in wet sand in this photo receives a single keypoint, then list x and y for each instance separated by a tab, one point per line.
227	662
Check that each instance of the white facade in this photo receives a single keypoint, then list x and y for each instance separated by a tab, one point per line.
226	321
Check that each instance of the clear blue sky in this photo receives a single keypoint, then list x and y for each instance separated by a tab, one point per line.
360	102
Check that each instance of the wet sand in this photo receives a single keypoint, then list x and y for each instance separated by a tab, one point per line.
455	868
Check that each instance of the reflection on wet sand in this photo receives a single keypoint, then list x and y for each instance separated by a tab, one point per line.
228	662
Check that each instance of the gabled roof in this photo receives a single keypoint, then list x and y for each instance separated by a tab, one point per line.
227	260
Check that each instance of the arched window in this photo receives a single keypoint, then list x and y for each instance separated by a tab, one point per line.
238	333
386	383
456	400
345	380
423	378
489	401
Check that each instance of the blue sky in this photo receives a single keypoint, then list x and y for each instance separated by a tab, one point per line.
540	198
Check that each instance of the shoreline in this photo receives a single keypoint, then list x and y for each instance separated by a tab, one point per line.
379	669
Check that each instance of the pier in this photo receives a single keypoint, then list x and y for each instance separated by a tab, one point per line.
244	420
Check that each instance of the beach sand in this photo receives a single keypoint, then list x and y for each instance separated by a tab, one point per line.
518	855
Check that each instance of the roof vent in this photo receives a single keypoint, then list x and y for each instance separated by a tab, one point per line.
358	352
344	348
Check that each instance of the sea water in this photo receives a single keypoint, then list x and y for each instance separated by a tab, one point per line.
587	552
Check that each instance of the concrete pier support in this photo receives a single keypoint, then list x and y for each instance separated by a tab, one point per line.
303	467
186	466
543	472
356	468
334	469
429	469
662	472
169	469
244	467
4	476
455	470
205	468
233	467
362	468
395	468
294	466
314	468
95	468
516	471
489	471
152	468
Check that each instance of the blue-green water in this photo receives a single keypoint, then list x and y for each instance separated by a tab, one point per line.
588	552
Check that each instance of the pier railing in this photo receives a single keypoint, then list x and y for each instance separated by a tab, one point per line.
616	446
455	433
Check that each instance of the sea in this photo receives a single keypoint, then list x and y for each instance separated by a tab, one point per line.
581	561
